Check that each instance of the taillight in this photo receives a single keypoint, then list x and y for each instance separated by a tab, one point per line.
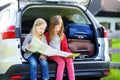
105	33
16	77
10	33
107	72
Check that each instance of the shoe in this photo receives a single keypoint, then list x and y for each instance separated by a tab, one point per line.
74	55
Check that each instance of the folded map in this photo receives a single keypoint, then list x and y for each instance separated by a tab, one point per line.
38	46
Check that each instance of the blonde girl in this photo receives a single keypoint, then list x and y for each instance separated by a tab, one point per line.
38	29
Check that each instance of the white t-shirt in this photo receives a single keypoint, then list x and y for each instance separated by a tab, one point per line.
55	43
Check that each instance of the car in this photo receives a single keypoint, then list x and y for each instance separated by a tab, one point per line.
16	21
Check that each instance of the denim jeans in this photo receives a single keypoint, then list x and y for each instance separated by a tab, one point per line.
33	68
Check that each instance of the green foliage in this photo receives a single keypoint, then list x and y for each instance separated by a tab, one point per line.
114	73
116	43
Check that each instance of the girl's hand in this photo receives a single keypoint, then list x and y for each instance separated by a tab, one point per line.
27	47
73	58
43	57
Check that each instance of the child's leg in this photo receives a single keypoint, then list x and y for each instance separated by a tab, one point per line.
70	68
33	67
45	70
60	67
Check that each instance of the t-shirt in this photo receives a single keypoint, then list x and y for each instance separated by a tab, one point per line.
55	43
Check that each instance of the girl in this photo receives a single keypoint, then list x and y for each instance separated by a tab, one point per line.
57	39
37	31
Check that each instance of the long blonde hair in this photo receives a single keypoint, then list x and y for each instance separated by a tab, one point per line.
38	22
56	20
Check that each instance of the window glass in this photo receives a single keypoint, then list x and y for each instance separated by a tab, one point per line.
106	24
117	26
69	15
77	18
72	14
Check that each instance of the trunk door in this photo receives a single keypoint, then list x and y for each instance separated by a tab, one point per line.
22	3
81	2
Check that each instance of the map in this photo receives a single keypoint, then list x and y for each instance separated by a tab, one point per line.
38	46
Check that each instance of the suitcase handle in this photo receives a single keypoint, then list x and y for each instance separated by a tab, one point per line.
81	51
80	36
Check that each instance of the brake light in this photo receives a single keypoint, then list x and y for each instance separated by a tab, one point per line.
16	77
105	33
10	33
107	72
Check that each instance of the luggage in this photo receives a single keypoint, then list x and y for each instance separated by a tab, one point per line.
81	46
79	31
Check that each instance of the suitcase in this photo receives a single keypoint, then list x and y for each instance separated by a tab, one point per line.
79	31
84	47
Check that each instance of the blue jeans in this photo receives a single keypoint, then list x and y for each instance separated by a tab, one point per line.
33	68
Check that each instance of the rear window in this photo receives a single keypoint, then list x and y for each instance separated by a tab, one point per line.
69	14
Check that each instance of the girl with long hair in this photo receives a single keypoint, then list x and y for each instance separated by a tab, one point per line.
57	39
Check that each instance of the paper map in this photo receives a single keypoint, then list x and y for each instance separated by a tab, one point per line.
38	46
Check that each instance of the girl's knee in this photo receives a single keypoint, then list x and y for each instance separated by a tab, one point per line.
44	63
61	63
34	64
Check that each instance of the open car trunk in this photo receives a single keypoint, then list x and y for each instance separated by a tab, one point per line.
77	27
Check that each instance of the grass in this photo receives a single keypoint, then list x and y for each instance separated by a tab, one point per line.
114	73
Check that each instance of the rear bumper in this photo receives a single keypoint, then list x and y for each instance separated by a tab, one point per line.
82	69
91	68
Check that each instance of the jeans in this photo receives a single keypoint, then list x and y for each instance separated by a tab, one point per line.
33	68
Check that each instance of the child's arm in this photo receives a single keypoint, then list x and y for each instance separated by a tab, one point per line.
27	46
26	42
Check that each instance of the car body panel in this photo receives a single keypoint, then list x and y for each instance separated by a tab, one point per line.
13	63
